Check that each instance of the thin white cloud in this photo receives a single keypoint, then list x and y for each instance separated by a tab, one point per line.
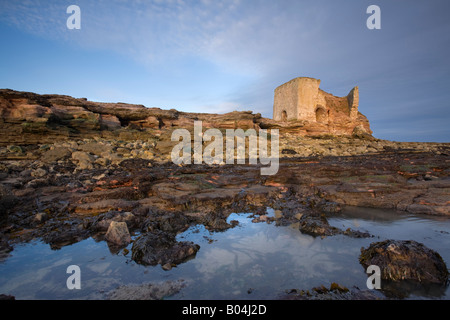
240	36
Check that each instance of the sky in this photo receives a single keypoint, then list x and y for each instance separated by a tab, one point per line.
217	56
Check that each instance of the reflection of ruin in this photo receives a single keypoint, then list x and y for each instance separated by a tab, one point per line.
301	99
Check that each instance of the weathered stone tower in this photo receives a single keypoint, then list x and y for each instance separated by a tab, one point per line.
301	99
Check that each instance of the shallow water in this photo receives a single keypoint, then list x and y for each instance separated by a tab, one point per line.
250	261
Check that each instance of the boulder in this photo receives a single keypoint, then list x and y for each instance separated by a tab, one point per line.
110	122
55	154
38	173
7	200
41	217
118	233
161	247
361	132
96	148
84	159
316	226
105	219
405	260
7	297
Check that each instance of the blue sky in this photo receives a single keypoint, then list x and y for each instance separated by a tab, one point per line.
222	55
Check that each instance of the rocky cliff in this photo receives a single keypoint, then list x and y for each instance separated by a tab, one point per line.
27	118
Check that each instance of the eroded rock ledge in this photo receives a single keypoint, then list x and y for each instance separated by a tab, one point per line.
29	118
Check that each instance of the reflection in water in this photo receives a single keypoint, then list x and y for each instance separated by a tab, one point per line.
432	231
245	258
254	256
250	261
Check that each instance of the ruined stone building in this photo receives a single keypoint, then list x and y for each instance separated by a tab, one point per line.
302	99
301	103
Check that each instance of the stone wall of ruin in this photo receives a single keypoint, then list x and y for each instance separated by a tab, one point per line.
300	98
308	98
286	99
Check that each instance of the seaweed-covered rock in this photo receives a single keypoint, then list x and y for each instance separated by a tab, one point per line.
405	260
335	292
7	200
160	247
146	291
5	248
317	226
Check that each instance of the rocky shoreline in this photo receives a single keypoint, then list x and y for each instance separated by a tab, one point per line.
110	181
37	192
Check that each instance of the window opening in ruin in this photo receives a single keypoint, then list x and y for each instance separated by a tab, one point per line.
321	115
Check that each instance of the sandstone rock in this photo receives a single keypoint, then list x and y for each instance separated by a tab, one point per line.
55	154
147	155
96	148
110	122
149	122
67	112
405	260
41	217
104	206
84	159
21	110
181	121
361	132
32	118
123	150
165	146
15	149
37	183
111	157
118	233
109	217
38	173
103	162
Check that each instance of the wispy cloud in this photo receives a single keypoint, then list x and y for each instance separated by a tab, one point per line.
241	36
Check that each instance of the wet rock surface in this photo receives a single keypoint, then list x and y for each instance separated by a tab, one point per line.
118	233
405	260
319	226
161	248
334	292
146	291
